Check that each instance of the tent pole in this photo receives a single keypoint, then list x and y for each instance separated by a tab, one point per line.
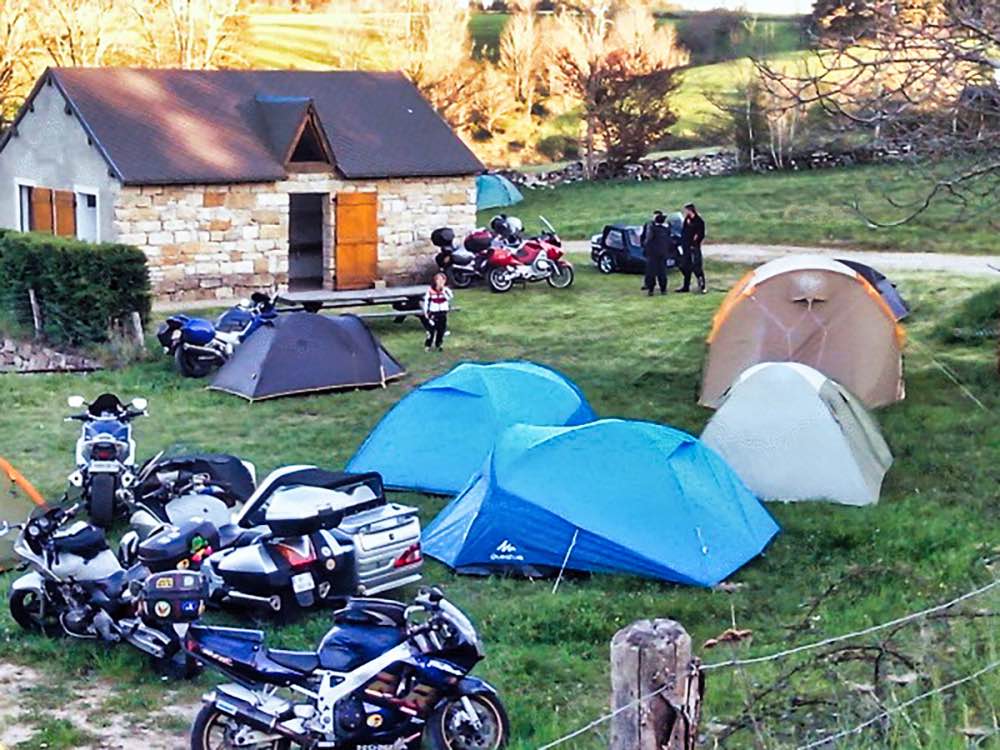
569	551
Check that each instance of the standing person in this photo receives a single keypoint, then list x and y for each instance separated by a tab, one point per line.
691	239
437	301
655	242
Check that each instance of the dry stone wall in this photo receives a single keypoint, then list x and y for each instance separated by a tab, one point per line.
224	241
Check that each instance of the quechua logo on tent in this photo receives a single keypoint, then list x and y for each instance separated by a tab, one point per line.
506	551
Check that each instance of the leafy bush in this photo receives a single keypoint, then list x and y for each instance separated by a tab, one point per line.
976	321
558	147
81	287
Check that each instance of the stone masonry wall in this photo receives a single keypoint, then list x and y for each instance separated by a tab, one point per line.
224	241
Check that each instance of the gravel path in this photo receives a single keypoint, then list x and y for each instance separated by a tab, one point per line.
974	265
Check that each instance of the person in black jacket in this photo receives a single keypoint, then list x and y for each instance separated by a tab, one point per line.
691	262
655	242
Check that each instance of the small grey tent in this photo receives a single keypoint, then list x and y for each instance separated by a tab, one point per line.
791	433
304	353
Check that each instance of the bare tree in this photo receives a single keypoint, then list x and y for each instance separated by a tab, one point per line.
594	44
519	55
78	32
923	75
192	34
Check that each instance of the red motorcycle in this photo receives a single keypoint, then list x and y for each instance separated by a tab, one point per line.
538	258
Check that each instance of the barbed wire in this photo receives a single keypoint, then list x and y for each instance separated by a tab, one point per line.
856	634
904	705
606	718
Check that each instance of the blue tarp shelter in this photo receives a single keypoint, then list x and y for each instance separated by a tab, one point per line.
437	437
610	496
496	191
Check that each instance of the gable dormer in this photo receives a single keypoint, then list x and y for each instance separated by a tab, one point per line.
293	130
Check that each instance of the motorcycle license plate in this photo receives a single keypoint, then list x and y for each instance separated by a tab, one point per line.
303	582
103	467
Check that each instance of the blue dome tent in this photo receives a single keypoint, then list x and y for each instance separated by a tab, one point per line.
664	506
496	191
437	437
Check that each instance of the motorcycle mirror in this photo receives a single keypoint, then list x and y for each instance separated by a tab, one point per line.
244	302
75	402
139	404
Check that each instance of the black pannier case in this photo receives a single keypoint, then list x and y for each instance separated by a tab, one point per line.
184	547
175	597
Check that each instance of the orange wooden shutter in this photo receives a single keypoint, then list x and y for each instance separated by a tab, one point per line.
41	210
357	240
65	206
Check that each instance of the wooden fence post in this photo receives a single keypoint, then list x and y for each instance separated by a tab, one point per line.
137	333
646	657
36	313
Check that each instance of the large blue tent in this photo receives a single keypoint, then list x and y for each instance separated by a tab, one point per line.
437	437
609	496
496	191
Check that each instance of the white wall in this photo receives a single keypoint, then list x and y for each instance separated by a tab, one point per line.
51	151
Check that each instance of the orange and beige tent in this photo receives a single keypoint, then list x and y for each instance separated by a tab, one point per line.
813	310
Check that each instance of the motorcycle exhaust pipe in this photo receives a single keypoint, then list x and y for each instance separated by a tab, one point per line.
260	720
259	601
202	350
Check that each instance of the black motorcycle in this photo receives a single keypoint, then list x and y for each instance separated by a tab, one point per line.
464	264
385	676
77	586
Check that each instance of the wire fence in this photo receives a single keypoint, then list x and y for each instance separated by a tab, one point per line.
881	715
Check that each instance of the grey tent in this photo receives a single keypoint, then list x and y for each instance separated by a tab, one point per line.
791	433
304	353
882	285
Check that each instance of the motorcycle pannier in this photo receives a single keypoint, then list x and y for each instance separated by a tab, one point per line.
174	597
184	547
443	237
479	241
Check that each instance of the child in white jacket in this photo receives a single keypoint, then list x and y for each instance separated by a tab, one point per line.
437	300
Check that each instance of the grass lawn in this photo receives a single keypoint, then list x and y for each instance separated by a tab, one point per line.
933	535
792	208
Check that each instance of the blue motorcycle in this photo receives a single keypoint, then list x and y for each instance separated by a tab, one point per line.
385	676
198	346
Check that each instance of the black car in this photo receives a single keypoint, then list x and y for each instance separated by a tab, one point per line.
618	248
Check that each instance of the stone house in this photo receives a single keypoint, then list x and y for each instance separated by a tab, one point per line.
232	181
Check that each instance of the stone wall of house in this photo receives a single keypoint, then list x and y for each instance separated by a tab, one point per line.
224	241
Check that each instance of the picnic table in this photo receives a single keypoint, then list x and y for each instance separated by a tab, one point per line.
404	300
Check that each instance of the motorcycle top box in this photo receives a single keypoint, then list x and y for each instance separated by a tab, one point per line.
443	237
296	511
173	597
198	331
182	547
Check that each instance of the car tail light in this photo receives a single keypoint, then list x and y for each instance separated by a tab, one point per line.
104	452
411	556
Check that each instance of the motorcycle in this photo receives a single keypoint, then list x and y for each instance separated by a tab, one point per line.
384	676
308	536
463	265
105	454
79	587
198	346
538	258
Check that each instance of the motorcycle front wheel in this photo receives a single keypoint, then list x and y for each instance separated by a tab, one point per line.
561	277
449	727
190	365
461	279
499	280
101	499
26	609
214	730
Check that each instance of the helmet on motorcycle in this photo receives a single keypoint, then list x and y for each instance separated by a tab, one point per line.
499	225
515	226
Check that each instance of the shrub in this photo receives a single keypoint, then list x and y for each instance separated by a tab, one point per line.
558	147
81	287
975	322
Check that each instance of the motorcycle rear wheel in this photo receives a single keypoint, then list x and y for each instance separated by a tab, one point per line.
101	499
499	280
26	609
212	729
190	365
561	277
461	279
445	730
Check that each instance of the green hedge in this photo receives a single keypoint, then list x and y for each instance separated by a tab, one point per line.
81	287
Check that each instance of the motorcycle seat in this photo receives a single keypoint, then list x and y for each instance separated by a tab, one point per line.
297	661
232	535
85	541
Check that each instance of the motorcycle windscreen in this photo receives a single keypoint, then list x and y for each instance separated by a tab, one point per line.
18	501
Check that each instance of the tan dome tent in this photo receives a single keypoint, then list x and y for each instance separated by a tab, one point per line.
791	433
813	310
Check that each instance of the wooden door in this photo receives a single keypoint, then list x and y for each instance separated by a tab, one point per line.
357	240
41	210
64	203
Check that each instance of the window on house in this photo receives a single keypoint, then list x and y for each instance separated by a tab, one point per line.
310	146
60	212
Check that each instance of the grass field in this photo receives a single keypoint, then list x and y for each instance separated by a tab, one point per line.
934	534
804	208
